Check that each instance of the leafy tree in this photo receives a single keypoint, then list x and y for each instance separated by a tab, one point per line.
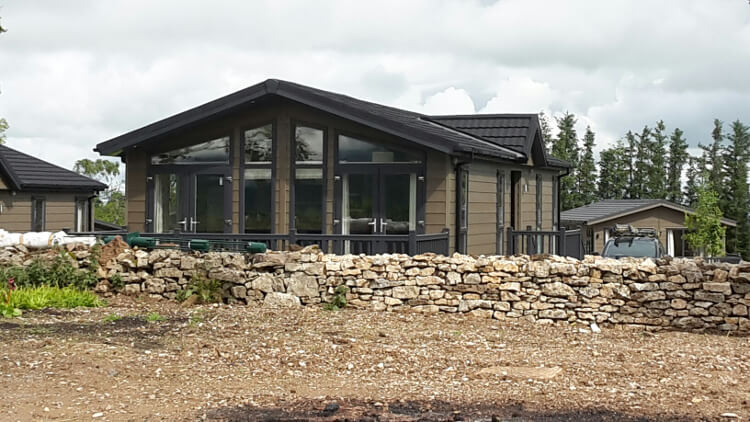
109	206
656	184
735	204
586	171
705	232
613	172
546	129
565	147
678	157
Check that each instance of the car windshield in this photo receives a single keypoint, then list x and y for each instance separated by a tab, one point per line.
630	247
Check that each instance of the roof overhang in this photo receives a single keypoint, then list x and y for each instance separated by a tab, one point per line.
293	92
675	207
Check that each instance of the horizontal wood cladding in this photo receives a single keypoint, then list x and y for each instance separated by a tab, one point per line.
660	218
16	211
482	208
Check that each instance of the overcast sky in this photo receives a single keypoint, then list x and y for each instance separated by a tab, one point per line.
78	72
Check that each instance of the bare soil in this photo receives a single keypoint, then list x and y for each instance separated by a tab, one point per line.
248	364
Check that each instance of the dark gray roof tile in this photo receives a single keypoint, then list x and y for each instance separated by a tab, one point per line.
25	172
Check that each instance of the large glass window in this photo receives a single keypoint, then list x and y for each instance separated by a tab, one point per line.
166	203
352	150
258	197
308	179
214	151
258	179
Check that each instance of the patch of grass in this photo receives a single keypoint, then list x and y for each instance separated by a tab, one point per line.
196	318
155	317
183	294
52	297
112	318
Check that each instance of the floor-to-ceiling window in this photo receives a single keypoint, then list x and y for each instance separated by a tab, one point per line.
309	179
258	179
381	188
190	188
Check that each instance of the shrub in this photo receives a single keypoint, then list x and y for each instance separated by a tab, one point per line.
208	290
339	299
60	272
183	294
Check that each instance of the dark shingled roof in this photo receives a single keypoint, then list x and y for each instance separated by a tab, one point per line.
24	172
609	209
425	130
514	131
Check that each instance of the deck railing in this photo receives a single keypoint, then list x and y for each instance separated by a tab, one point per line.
370	244
558	242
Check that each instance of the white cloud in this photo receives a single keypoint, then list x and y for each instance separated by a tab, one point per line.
76	73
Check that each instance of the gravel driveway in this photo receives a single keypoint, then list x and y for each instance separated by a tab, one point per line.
237	363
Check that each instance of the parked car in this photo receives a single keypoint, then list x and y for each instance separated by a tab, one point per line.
627	241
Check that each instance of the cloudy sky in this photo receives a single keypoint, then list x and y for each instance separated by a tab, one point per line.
78	72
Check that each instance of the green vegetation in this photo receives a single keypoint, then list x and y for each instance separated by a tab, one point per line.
41	297
109	206
339	299
112	318
60	272
705	230
208	290
155	317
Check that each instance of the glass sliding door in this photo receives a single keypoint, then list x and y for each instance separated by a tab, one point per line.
358	204
398	203
169	207
209	216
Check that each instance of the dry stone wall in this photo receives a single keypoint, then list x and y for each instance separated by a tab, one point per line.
666	293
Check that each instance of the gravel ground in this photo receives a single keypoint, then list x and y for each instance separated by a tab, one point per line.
236	363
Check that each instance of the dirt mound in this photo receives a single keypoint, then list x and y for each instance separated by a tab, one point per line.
111	250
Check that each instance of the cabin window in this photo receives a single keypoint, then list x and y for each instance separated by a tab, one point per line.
353	150
258	179
463	210
83	215
539	200
38	214
309	156
214	151
500	211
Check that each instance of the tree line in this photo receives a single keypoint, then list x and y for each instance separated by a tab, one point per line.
650	163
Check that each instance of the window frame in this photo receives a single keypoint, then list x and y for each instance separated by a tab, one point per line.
462	212
294	123
89	216
43	200
272	165
500	212
539	200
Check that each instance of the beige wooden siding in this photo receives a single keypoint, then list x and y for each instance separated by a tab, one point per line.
660	218
437	212
482	208
135	189
16	211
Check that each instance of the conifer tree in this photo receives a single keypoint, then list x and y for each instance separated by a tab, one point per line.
565	147
711	160
657	174
546	129
642	163
631	146
613	172
696	175
735	204
586	171
678	157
